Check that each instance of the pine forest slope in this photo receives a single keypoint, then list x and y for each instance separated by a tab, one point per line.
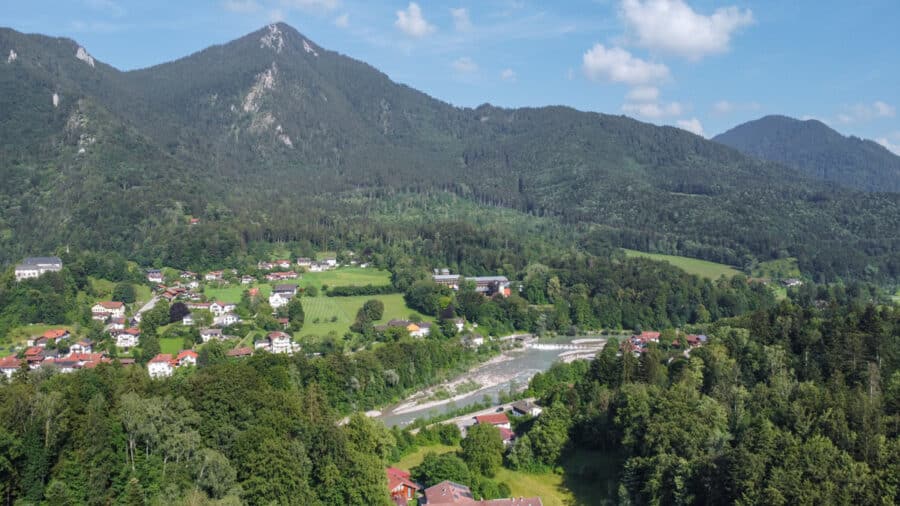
271	137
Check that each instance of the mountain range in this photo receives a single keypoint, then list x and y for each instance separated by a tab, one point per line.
271	137
817	150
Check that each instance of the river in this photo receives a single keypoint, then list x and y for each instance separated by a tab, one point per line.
513	368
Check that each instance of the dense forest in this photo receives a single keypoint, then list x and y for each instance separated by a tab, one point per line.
269	146
789	405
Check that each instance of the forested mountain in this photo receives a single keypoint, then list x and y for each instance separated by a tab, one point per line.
273	138
816	150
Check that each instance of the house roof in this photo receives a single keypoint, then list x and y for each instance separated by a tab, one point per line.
211	332
397	477
448	492
186	353
110	304
34	350
10	362
55	333
34	261
161	358
240	352
523	406
492	419
507	434
278	335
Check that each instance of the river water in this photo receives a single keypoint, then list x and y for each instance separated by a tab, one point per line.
514	369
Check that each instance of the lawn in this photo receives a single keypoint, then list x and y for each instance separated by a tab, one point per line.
171	345
19	335
346	276
550	487
702	268
345	308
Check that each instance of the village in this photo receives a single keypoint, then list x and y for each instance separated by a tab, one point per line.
276	284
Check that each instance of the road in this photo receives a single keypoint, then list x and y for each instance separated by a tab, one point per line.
147	307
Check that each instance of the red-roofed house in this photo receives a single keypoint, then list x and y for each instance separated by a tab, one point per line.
186	357
450	493
160	366
401	486
495	419
104	310
507	435
240	352
9	365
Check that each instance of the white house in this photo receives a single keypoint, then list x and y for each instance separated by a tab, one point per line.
154	276
9	365
128	338
35	267
247	280
220	308
213	276
280	342
186	358
160	366
330	261
82	346
226	319
104	310
207	334
522	408
188	320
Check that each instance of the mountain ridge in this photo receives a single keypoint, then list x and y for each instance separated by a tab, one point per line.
244	132
816	149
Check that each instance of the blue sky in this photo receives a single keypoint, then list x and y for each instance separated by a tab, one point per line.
702	65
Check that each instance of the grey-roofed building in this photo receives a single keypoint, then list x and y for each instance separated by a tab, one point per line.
35	267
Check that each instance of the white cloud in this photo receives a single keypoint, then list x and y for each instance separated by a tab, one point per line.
619	66
312	5
692	125
726	107
342	21
674	27
654	110
461	19
465	65
412	23
866	112
508	75
241	6
893	147
643	94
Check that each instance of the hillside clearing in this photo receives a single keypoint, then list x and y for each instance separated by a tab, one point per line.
702	268
345	308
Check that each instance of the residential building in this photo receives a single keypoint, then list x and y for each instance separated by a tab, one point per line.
220	308
450	493
280	342
213	276
247	280
35	267
486	285
281	295
102	311
240	352
208	334
9	365
154	276
499	420
161	366
402	488
525	408
186	358
226	320
128	338
188	320
82	346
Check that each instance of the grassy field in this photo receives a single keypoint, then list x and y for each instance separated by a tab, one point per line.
170	345
345	308
19	335
777	269
702	268
347	276
552	488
